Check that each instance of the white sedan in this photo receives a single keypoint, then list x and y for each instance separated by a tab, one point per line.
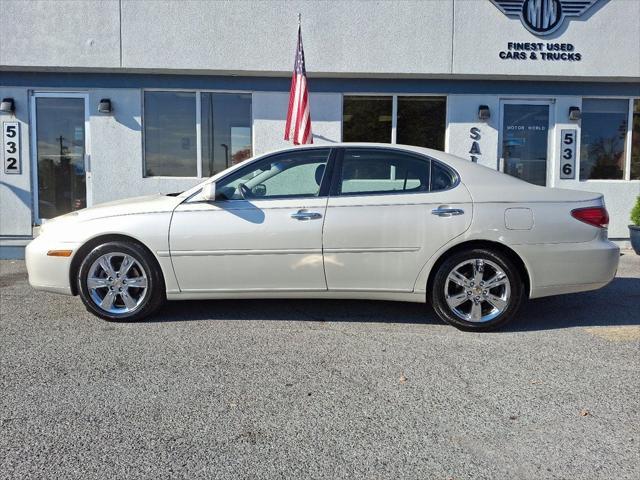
357	221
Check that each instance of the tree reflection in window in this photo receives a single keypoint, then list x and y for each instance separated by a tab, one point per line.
602	139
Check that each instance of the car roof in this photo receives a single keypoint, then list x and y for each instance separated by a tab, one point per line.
484	183
461	165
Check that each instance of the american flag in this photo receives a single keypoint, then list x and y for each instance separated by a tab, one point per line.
298	127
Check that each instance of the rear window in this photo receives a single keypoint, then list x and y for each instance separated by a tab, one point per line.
380	171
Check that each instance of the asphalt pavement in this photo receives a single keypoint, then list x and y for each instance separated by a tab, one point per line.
320	389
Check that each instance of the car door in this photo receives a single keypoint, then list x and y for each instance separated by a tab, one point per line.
268	238
388	213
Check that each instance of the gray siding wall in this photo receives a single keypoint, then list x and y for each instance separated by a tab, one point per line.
16	199
342	38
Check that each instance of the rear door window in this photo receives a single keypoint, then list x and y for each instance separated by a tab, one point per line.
380	171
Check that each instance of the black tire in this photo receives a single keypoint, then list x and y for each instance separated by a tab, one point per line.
513	292
149	302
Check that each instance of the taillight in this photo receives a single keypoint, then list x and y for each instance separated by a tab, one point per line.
596	216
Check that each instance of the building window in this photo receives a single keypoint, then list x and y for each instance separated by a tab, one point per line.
422	121
419	120
367	119
170	147
602	139
171	132
226	130
635	141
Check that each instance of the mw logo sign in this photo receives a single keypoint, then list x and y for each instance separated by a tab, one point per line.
543	17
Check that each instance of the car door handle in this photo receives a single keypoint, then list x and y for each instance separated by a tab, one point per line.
305	215
447	212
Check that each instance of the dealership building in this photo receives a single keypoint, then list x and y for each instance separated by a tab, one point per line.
103	100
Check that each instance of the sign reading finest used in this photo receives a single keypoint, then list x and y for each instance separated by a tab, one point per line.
11	147
540	51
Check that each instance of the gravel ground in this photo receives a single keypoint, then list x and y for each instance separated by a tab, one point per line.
319	389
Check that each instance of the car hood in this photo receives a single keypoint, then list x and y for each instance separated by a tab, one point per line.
156	203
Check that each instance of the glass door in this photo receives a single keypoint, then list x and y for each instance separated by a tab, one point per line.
60	124
525	139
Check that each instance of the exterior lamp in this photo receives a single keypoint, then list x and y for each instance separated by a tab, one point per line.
7	105
574	113
484	113
105	105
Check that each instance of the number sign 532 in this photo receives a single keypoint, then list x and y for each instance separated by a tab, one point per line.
11	147
568	154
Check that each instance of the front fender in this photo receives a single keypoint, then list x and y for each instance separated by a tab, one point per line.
148	229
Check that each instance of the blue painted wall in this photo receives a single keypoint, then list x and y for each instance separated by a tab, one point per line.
350	85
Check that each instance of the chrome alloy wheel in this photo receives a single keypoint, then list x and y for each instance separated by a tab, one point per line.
477	290
117	283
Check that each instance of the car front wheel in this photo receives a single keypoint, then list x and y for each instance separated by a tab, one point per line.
477	289
120	281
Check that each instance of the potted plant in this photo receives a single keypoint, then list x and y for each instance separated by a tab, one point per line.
634	228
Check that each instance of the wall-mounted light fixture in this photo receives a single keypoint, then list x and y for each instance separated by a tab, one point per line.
105	105
7	105
575	113
484	113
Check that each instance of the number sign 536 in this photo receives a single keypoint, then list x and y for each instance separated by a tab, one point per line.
568	154
11	147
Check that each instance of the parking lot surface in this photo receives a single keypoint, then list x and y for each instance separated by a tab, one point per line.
320	389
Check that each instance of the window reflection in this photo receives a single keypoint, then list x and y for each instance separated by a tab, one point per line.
421	121
525	132
226	130
602	139
635	142
367	119
170	134
60	155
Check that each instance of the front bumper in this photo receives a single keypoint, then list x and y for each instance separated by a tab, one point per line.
47	273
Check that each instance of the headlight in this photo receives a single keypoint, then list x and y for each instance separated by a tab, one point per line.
47	224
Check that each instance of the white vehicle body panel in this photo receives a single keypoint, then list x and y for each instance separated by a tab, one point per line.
145	219
380	242
368	247
238	245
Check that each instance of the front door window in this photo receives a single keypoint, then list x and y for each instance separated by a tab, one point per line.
525	131
293	174
60	138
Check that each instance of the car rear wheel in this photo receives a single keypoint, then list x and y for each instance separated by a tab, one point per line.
477	289
120	281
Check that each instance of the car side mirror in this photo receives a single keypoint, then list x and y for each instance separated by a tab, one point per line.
209	192
259	190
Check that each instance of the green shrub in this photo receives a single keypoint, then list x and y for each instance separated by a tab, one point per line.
635	212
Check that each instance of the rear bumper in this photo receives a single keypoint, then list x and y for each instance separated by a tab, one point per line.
560	268
46	273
